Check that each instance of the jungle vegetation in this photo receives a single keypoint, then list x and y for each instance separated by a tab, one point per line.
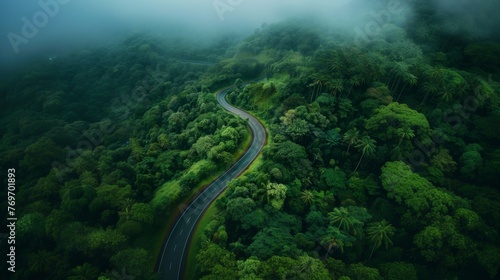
382	160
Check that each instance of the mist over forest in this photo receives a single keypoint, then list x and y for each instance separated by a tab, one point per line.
380	155
69	25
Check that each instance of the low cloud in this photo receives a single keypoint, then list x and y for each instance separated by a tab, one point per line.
49	27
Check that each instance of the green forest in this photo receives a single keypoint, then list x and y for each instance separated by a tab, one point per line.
382	159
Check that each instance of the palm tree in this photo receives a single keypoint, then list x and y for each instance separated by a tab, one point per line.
342	218
125	214
367	146
337	85
354	81
409	79
422	33
437	73
41	261
127	203
317	86
380	233
399	71
446	96
436	77
80	164
306	265
429	88
351	137
404	133
336	64
333	240
123	275
83	272
307	197
332	137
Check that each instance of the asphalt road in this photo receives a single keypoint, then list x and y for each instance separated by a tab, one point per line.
172	260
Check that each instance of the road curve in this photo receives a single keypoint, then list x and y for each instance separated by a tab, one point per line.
172	260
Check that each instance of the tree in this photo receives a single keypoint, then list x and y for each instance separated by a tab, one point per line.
409	79
429	88
249	269
85	271
273	241
388	119
134	260
203	145
359	271
334	178
484	54
445	240
471	160
317	86
380	233
336	239
351	137
337	86
399	72
239	207
309	268
341	217
354	81
414	191
39	156
307	197
278	267
367	146
332	137
217	262
31	227
444	161
276	194
398	270
41	261
404	133
380	93
298	129
105	241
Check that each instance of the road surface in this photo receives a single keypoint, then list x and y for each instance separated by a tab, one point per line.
172	259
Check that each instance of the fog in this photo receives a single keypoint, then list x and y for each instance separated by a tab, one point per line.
49	27
477	18
53	27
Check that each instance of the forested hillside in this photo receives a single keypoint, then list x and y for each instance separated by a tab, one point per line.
382	160
382	163
106	143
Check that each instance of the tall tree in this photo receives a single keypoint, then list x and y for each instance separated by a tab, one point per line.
336	239
337	86
84	272
341	218
307	197
351	137
367	146
404	133
379	233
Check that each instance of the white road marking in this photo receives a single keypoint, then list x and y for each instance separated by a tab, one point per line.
181	232
175	247
187	222
170	267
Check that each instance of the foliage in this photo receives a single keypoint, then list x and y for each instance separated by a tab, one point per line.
364	137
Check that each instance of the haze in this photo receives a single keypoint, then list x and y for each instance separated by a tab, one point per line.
72	23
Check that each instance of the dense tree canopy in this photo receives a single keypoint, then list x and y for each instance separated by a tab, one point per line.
381	163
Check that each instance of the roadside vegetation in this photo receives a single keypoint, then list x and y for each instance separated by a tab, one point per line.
382	160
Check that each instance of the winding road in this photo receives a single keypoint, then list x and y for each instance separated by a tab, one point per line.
172	259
